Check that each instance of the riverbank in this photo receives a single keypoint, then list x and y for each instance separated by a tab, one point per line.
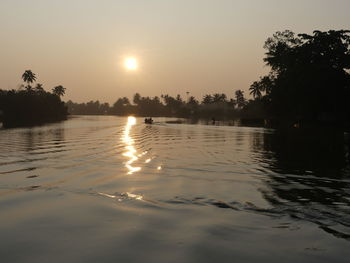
22	108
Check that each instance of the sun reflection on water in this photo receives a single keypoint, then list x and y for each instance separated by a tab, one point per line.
131	152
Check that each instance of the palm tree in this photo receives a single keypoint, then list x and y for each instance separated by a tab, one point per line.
39	87
265	85
207	99
217	97
137	98
255	90
192	101
59	90
240	100
29	77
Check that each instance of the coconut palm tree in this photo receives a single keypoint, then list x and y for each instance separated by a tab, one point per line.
240	100
192	101
218	98
29	77
255	90
39	87
207	99
59	90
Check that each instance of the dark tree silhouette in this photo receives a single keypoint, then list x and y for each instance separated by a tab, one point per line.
29	77
309	81
219	98
39	88
192	101
59	90
137	98
207	99
31	106
166	105
240	100
255	90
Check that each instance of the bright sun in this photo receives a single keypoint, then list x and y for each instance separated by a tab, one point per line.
130	63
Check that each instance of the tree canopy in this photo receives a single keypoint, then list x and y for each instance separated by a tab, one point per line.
31	106
309	77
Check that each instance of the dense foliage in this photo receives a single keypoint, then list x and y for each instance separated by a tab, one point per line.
309	82
31	105
216	105
309	79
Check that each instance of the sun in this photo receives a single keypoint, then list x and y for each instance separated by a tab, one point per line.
130	63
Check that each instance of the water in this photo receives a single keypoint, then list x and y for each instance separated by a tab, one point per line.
112	189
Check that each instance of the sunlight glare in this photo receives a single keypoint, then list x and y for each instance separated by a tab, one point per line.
131	63
131	151
131	121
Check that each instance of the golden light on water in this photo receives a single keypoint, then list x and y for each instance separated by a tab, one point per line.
131	63
131	121
122	196
134	196
131	152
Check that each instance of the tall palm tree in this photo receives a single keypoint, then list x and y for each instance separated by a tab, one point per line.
265	84
240	100
59	90
255	90
29	77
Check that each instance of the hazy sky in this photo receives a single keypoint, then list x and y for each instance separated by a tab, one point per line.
200	46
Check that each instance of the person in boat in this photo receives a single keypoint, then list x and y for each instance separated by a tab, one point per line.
149	120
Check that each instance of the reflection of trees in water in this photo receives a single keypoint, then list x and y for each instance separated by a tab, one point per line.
311	176
34	137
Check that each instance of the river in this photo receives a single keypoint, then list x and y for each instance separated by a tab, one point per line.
113	189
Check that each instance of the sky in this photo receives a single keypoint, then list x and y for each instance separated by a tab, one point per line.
196	46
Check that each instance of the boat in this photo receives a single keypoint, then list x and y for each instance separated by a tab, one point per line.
148	120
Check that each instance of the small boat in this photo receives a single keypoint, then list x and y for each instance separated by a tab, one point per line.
148	120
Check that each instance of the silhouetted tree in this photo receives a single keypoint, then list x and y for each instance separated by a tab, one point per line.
59	90
172	105
39	88
137	98
31	106
309	78
207	99
29	77
240	100
219	98
255	90
192	101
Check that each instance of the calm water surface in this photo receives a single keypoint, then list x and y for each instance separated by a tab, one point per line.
107	189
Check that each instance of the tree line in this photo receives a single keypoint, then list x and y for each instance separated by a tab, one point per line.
31	104
216	105
308	83
309	80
